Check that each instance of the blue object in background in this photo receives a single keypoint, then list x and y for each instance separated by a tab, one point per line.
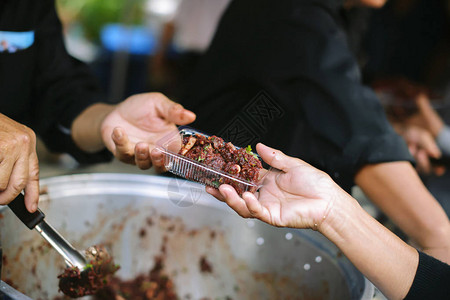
13	41
132	39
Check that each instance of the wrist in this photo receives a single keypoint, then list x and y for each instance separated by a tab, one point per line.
86	128
343	208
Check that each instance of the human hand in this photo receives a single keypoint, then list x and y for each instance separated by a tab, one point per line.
297	195
19	167
132	128
426	116
423	147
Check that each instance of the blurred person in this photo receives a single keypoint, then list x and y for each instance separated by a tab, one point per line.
409	110
299	196
282	73
190	31
46	92
403	25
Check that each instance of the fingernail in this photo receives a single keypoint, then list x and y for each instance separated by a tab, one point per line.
118	134
34	206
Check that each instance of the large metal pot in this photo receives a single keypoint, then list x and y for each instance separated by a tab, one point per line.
133	214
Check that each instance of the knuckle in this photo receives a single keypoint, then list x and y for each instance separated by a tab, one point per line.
18	185
34	173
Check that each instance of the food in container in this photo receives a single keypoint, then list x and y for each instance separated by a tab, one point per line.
211	161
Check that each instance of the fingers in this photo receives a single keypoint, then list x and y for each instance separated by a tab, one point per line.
429	145
32	186
179	115
215	192
423	162
142	156
234	201
255	208
157	157
17	181
276	158
6	167
174	112
124	150
432	119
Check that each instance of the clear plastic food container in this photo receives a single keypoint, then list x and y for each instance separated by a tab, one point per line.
197	171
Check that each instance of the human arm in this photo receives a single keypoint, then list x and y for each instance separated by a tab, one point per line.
350	118
71	117
130	129
301	196
398	191
19	167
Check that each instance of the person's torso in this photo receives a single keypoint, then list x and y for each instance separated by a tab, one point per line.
18	21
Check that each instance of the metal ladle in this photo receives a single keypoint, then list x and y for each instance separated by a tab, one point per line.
72	256
98	255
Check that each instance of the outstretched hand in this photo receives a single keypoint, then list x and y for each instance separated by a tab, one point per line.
131	130
296	195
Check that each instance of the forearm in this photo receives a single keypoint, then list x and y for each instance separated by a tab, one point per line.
398	191
86	128
382	257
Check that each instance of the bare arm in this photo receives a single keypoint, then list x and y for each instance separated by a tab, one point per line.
86	128
388	262
398	191
301	196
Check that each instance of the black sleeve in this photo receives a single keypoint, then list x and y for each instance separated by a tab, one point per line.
312	68
64	87
432	280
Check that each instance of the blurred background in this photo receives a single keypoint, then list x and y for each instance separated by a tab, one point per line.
136	46
152	45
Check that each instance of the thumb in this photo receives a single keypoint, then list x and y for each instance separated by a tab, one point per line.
179	115
429	145
32	187
277	159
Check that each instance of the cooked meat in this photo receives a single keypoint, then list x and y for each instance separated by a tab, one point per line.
218	155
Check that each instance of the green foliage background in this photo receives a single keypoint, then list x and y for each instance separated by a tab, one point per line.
94	14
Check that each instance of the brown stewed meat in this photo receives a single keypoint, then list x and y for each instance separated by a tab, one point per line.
213	152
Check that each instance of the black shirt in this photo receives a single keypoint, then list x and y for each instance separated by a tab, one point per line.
281	72
41	86
432	280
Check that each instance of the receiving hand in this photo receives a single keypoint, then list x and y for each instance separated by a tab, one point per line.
297	195
132	128
19	167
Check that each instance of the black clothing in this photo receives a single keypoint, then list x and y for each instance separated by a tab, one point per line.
410	41
281	72
432	280
42	86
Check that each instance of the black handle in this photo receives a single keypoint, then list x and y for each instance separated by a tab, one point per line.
444	160
19	209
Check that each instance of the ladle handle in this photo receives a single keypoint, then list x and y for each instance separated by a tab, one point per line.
19	209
